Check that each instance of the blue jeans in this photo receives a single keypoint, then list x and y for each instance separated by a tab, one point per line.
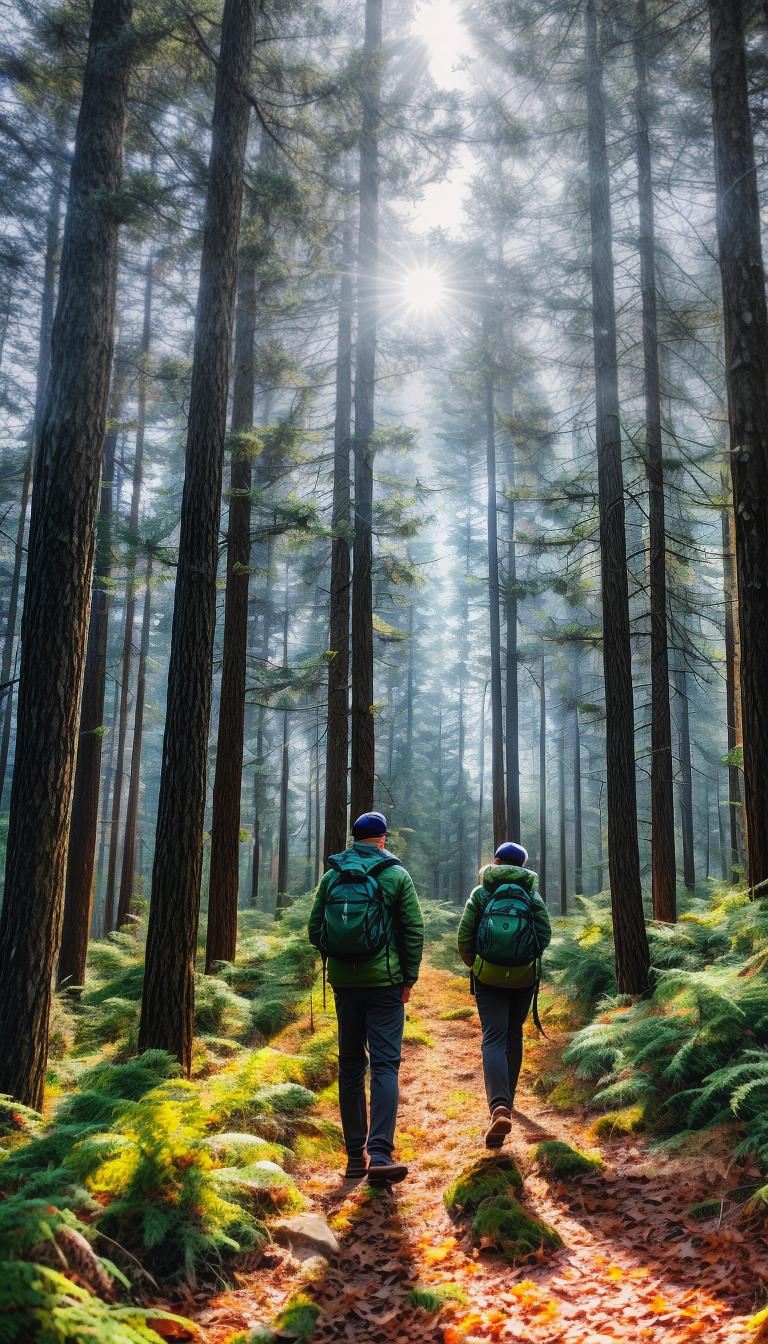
502	1014
371	1019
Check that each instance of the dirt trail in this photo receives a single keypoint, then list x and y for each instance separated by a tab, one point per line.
632	1267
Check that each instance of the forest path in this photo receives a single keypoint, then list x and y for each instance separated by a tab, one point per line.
632	1266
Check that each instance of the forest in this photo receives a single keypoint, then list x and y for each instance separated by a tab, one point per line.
383	425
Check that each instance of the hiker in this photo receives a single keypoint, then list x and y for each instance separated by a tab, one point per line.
503	931
366	920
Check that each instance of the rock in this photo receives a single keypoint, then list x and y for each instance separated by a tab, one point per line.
307	1235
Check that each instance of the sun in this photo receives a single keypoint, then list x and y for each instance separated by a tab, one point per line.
424	290
439	27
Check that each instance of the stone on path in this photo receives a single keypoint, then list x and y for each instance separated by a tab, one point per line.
307	1235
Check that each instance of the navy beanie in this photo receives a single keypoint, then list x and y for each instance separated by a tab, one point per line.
369	824
509	852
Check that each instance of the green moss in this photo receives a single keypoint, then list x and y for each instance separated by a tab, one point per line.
490	1176
503	1225
433	1298
560	1159
457	1014
415	1034
568	1095
298	1317
615	1124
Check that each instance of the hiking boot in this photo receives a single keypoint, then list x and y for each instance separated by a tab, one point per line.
386	1173
357	1166
501	1124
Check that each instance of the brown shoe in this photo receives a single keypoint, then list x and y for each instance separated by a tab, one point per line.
386	1173
497	1131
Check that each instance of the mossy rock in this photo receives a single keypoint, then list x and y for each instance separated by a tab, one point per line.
618	1124
490	1176
285	1098
561	1160
264	1185
297	1320
240	1150
457	1014
502	1224
568	1095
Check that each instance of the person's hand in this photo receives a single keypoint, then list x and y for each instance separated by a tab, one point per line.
406	994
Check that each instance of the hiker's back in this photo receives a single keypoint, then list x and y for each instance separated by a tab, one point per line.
505	927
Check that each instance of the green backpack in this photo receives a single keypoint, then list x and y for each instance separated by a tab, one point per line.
506	931
357	924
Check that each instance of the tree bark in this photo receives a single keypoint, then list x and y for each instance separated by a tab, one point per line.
363	770
47	302
630	941
663	883
542	784
78	891
736	823
561	823
167	1008
224	880
60	563
497	726
481	773
130	604
127	876
337	718
512	716
745	319
282	901
686	778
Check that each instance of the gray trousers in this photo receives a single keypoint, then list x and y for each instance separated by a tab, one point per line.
370	1026
502	1014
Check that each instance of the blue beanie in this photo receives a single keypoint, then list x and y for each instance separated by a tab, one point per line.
369	824
509	852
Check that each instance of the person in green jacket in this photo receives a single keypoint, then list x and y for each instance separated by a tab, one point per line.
503	993
367	921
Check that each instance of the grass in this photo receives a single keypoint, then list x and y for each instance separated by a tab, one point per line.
433	1297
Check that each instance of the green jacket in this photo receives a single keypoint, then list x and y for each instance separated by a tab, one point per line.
504	977
408	928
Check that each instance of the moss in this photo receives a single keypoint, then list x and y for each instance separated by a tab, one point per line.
503	1225
490	1176
434	1297
298	1317
560	1159
457	1014
616	1124
415	1034
568	1095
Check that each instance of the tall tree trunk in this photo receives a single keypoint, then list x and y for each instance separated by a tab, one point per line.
47	302
362	780
282	901
630	941
167	1007
60	562
686	779
127	876
481	773
561	823
736	824
725	853
663	884
81	857
578	825
408	786
337	718
224	879
745	318
512	725
318	808
497	725
542	784
258	789
130	603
